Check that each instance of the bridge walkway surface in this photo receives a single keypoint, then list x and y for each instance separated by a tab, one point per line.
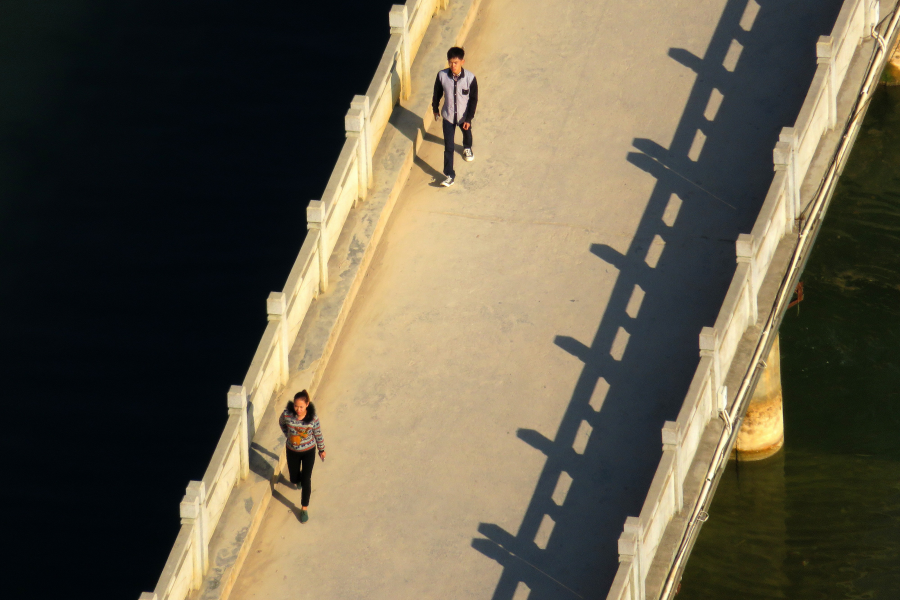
492	410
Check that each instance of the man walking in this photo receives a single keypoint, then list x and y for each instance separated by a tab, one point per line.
460	91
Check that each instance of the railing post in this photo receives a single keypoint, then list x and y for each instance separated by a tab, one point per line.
630	552
783	156
148	596
745	254
237	405
399	19
356	126
315	219
442	4
671	438
362	103
872	9
708	348
825	56
276	305
193	513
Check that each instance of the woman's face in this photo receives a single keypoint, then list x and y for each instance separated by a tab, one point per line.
300	405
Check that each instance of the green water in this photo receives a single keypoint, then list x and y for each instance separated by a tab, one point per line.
821	520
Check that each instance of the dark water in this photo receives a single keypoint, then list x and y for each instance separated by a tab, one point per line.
821	520
156	158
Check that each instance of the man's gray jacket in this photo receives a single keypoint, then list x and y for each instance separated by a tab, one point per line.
460	96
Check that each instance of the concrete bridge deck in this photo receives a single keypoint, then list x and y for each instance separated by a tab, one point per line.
493	409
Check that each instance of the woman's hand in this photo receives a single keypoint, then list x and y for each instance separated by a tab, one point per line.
322	455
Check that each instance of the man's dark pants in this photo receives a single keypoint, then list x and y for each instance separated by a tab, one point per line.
449	144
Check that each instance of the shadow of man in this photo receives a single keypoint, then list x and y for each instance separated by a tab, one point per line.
414	129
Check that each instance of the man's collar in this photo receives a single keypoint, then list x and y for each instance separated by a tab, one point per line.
462	71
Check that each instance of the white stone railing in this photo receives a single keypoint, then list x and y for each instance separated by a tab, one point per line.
204	503
707	395
349	183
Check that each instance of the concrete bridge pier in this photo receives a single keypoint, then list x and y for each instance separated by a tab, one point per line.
762	432
891	75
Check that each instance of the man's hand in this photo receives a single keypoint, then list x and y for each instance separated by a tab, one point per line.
466	126
437	116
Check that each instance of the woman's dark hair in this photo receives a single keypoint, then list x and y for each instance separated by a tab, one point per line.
310	407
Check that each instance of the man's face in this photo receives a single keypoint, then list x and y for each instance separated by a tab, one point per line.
456	65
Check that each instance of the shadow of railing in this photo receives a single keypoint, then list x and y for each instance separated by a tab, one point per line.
711	182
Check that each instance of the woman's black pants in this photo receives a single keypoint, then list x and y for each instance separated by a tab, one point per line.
300	466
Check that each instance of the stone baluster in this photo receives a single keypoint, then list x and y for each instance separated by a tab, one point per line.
825	56
356	124
671	438
630	552
193	513
783	156
708	348
399	20
148	596
276	306
315	219
362	103
744	248
237	405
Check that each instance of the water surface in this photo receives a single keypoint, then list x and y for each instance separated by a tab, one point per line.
156	159
821	520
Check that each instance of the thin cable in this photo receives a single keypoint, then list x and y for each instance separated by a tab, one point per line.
696	185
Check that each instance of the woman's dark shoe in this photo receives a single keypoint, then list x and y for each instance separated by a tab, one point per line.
304	516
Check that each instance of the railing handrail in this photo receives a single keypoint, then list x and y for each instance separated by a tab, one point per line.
382	77
755	251
205	501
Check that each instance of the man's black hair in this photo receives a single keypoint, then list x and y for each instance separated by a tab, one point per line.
456	52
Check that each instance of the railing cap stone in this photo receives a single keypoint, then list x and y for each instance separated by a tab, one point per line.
671	433
632	525
781	154
743	247
824	46
355	119
708	338
787	134
398	16
237	397
276	303
314	212
360	101
197	488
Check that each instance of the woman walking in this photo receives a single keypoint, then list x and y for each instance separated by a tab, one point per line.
304	435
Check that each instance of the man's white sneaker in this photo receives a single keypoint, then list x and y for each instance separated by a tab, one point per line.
468	155
447	182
